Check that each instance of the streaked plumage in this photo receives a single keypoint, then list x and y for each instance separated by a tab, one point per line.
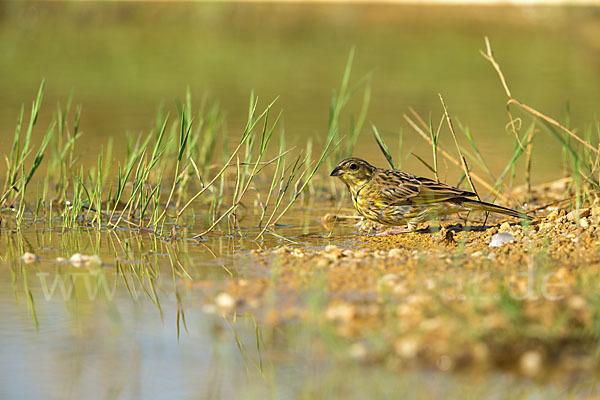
393	197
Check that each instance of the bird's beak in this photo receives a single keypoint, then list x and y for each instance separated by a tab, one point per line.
336	172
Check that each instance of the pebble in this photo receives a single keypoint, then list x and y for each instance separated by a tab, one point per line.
530	363
505	227
323	262
330	248
380	254
501	238
395	253
595	215
553	215
361	254
333	256
299	253
407	348
445	363
28	258
358	350
225	301
281	250
78	260
347	253
577	214
577	302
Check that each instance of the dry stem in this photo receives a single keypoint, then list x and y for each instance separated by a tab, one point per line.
448	156
462	157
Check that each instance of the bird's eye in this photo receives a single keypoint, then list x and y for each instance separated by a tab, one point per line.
353	167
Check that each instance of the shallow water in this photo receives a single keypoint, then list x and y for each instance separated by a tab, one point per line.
117	330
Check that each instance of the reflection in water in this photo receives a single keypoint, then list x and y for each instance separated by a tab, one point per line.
145	324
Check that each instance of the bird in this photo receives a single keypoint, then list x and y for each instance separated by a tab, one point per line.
393	197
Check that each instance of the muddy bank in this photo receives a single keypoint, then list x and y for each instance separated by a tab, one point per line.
443	299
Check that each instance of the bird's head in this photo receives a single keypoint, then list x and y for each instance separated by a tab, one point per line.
354	172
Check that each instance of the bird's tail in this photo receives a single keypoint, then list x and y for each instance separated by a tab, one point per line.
483	206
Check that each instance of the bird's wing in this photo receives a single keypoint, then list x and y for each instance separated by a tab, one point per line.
398	188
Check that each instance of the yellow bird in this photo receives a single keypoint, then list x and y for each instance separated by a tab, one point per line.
393	197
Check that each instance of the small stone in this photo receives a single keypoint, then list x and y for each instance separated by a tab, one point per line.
492	256
445	363
333	256
530	363
407	348
299	253
78	260
380	254
430	284
323	262
595	215
577	302
225	301
395	253
360	254
358	350
29	258
505	227
330	248
577	214
584	223
477	254
281	250
61	260
348	253
499	239
553	215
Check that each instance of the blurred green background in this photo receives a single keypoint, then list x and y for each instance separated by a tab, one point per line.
123	60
